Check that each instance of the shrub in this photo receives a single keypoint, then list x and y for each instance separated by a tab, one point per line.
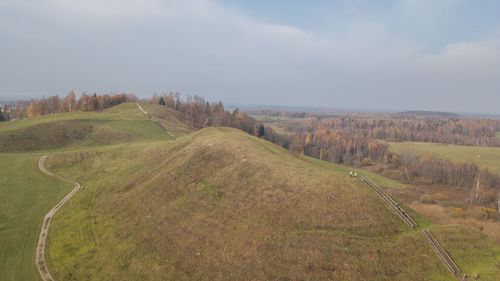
480	212
439	196
426	199
366	161
458	213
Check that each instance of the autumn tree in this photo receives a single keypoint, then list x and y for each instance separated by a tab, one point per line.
30	110
69	102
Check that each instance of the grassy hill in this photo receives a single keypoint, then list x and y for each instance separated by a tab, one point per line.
167	118
122	123
216	204
219	204
26	194
483	156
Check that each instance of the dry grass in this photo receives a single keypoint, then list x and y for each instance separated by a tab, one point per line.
222	205
451	216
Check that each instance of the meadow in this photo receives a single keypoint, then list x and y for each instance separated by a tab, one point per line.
26	196
484	157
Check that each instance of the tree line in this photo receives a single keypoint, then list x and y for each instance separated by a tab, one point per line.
56	104
197	113
352	149
396	127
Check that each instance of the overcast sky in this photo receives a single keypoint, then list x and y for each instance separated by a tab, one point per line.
388	54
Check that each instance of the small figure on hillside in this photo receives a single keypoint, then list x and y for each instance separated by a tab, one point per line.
355	174
351	174
464	277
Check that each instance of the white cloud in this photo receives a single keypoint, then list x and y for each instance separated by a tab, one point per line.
202	47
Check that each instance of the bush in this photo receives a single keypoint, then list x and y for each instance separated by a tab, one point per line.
426	199
366	161
479	212
439	196
458	213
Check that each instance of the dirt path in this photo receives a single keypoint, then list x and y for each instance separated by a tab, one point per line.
156	121
42	239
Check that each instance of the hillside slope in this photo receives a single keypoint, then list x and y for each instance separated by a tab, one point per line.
219	204
118	124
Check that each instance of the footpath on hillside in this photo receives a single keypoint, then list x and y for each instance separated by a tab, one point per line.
156	121
427	234
40	262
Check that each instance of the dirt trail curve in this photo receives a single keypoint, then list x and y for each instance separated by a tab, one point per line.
156	121
41	265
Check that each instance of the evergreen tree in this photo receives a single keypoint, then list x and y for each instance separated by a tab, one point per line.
162	102
1	115
262	131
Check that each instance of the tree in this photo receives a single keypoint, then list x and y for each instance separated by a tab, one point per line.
1	116
30	111
262	131
68	103
162	102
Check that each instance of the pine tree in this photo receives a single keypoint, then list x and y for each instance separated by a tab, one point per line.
1	115
262	131
162	102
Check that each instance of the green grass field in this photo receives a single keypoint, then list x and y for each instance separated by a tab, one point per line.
26	195
122	123
484	157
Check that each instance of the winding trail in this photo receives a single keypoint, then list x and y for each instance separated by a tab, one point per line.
40	263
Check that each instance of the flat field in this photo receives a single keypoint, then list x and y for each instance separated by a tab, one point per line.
484	157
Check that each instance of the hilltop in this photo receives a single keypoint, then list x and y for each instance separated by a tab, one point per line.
221	204
118	124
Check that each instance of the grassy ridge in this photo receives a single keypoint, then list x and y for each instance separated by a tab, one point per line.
484	157
167	118
26	196
122	123
219	204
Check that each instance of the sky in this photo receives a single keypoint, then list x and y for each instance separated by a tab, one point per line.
361	54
